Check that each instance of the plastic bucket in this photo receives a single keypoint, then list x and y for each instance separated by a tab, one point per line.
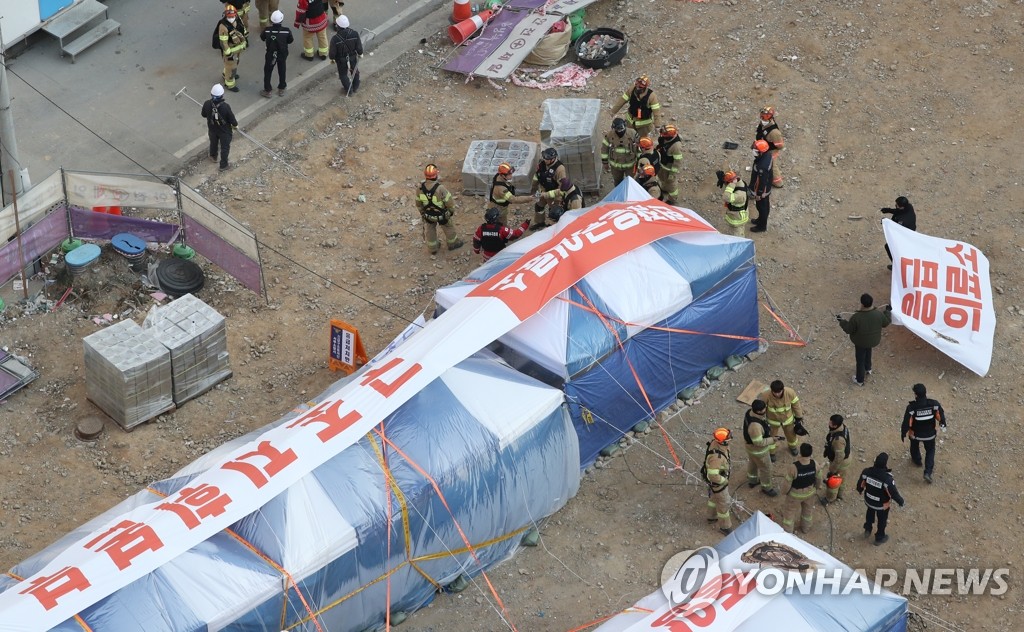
462	31
461	11
576	22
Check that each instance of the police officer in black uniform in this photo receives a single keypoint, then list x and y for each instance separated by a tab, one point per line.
879	489
220	121
919	422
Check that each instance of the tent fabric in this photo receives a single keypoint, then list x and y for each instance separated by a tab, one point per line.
600	340
852	612
324	543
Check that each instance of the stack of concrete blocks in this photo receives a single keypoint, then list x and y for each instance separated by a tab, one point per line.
482	162
128	374
571	126
196	337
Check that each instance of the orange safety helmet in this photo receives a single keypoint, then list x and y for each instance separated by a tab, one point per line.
430	172
506	169
230	11
767	113
646	143
649	170
643	82
834	481
722	435
669	131
761	145
730	176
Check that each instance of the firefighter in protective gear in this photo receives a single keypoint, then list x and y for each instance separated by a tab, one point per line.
670	153
760	445
492	236
232	35
503	193
546	179
879	489
568	197
761	184
784	412
648	179
647	155
618	150
919	423
311	16
734	199
804	479
768	131
643	109
242	9
266	8
436	208
220	125
717	465
837	451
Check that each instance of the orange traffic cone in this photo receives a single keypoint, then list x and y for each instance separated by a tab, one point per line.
462	31
461	11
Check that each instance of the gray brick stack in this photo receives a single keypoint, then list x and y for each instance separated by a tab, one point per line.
196	336
128	373
571	127
482	162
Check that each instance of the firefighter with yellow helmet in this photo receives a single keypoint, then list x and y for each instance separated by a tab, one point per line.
716	469
642	109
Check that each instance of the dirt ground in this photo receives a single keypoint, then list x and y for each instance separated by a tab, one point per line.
876	100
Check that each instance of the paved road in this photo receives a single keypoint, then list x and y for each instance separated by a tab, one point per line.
123	88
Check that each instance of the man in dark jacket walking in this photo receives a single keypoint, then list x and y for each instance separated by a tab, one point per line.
865	330
903	215
919	421
220	123
277	37
879	489
346	49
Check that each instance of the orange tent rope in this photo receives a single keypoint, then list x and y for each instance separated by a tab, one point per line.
458	527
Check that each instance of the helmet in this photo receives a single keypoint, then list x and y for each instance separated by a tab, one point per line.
722	435
217	90
492	215
230	11
767	113
643	82
342	22
549	154
729	177
277	17
565	184
619	125
646	143
669	131
761	145
430	172
506	169
834	481
649	170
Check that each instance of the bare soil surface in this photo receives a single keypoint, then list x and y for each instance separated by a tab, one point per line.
876	100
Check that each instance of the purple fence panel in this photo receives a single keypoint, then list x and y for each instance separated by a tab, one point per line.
223	254
479	48
93	225
44	236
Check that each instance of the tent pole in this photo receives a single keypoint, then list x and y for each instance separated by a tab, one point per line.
17	230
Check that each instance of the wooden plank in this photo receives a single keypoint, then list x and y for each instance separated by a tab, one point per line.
90	37
74	18
750	393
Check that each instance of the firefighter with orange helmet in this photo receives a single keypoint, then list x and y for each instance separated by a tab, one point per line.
643	108
242	7
503	193
647	155
735	201
670	151
232	34
436	208
761	184
648	179
837	451
768	131
716	469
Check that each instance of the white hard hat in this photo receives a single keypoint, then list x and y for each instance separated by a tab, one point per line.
277	17
217	90
342	22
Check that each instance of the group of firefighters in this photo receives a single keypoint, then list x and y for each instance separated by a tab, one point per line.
628	148
776	417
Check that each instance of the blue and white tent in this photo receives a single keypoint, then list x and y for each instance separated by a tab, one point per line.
322	547
636	331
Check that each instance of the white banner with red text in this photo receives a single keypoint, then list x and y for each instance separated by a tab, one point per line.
941	291
132	545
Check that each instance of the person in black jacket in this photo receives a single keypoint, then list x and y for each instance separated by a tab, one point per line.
761	184
879	489
220	123
903	215
919	422
346	49
278	37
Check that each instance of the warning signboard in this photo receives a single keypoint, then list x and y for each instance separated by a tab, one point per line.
347	352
